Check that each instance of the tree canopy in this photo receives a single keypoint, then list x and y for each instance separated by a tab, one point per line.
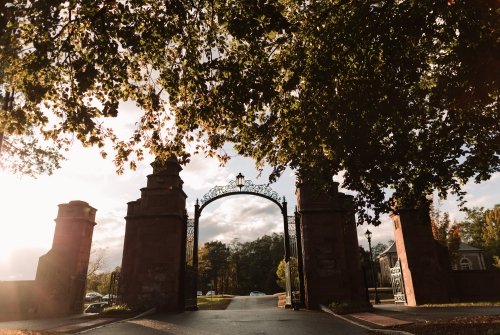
397	95
446	232
481	229
241	267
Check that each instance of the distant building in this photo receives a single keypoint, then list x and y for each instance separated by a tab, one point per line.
469	258
387	259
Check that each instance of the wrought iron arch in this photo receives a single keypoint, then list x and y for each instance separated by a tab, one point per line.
240	187
248	187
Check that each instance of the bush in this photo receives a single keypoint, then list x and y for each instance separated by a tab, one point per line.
119	309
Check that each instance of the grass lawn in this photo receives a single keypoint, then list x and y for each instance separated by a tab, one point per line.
214	302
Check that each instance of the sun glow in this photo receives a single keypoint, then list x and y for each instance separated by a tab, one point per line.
23	235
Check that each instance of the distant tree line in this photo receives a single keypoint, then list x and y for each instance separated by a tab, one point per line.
99	282
480	229
234	268
97	279
241	267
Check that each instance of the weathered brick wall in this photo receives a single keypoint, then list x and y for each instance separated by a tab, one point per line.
153	253
475	285
332	269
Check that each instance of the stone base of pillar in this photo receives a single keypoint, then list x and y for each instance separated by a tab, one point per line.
332	268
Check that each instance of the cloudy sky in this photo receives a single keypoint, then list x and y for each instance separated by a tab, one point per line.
29	206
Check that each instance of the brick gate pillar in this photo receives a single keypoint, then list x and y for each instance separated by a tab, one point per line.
424	262
61	275
331	259
152	272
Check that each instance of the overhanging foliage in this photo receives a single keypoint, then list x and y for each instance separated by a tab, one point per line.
400	95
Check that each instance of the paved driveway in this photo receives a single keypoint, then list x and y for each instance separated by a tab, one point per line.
245	315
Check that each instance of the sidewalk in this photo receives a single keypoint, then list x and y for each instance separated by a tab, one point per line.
390	316
426	314
384	316
65	325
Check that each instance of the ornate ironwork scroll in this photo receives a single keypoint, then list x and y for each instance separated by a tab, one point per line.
398	287
249	187
191	271
295	262
190	243
292	233
113	288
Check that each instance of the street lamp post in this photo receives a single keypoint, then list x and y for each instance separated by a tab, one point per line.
368	235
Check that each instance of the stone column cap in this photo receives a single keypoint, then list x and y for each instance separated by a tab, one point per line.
77	209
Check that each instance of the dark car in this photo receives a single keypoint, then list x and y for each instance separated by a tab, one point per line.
96	307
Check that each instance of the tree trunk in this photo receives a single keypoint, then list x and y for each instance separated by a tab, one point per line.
8	101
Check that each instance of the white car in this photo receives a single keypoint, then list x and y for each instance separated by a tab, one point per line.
256	293
93	296
210	293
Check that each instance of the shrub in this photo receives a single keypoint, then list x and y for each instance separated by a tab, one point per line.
119	309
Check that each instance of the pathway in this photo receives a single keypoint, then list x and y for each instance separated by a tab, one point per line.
245	315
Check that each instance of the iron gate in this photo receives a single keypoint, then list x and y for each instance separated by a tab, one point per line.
295	287
113	288
191	269
293	249
398	286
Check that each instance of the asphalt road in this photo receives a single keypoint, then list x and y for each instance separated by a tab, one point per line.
245	316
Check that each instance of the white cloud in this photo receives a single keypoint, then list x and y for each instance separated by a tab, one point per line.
380	234
242	217
203	173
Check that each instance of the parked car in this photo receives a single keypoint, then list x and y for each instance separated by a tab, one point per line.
256	293
96	307
210	293
93	296
199	293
